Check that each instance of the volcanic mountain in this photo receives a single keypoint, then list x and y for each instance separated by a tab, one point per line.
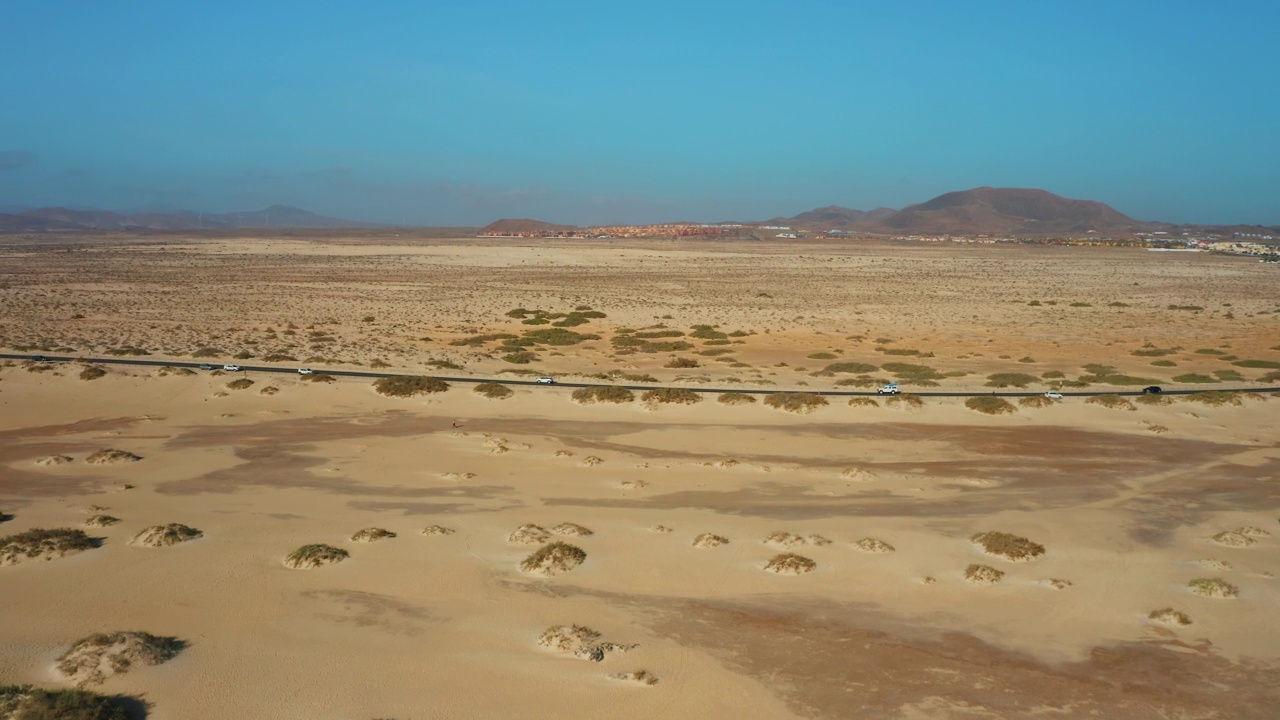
1008	210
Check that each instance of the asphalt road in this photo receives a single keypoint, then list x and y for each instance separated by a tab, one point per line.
509	381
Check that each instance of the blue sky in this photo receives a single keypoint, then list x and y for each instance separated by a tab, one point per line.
433	112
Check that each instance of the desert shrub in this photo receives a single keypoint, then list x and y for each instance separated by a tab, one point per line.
1263	364
478	340
681	362
710	540
162	535
1192	308
1194	378
553	559
1228	375
168	370
1053	375
796	402
1039	401
1010	379
373	534
1164	363
25	702
95	521
1215	398
493	391
310	556
523	357
1115	402
873	545
110	456
318	378
821	356
862	381
1007	545
1155	352
654	334
409	385
1213	587
1169	616
707	332
1209	351
990	405
736	398
790	564
92	372
906	400
240	384
443	365
907	352
983	574
1270	377
279	357
39	542
914	373
863	402
557	336
609	394
677	396
83	661
1154	400
851	368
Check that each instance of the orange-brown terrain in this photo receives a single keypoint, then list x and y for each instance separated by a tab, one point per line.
273	545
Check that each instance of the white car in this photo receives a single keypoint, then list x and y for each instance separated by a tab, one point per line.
305	371
232	368
1053	395
890	389
546	381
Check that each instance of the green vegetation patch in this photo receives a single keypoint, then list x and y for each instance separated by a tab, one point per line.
1263	364
1156	352
92	372
655	334
522	357
681	363
409	385
990	405
610	394
821	356
1194	378
478	340
1209	351
1191	308
707	332
851	368
911	372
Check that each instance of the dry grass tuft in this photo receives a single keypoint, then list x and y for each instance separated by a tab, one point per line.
661	529
863	402
408	385
42	544
905	401
990	405
26	702
551	560
111	456
736	399
790	564
796	402
983	574
1059	583
569	529
639	677
92	660
1251	531
92	372
493	391
786	539
872	545
529	534
1216	398
710	540
99	521
580	641
313	556
1233	538
1169	616
1115	402
1038	401
609	394
165	535
437	530
671	396
1213	587
53	460
372	534
1008	546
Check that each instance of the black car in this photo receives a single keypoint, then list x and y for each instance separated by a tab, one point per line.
206	366
39	358
1152	390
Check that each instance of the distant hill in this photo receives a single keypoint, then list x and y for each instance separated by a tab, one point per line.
511	226
834	217
53	219
1009	210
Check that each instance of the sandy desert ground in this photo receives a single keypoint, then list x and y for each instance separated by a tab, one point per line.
1144	536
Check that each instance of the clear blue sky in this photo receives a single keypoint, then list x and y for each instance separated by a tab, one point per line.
434	112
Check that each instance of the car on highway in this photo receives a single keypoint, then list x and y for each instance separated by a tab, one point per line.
206	366
889	389
1152	390
1053	395
230	367
39	358
546	381
305	371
